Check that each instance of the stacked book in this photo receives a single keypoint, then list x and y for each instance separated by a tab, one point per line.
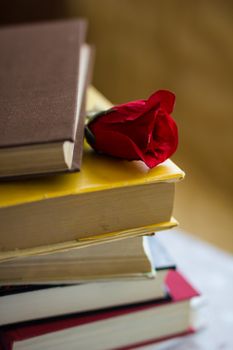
80	266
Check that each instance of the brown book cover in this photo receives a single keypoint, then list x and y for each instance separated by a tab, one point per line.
43	74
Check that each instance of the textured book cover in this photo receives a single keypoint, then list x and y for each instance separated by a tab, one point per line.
44	69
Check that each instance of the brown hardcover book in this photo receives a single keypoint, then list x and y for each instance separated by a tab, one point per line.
44	69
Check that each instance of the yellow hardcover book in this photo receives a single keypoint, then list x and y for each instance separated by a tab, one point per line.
108	195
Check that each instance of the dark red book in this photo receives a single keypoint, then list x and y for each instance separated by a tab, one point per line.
44	70
117	328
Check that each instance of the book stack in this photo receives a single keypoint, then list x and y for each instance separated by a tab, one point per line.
80	267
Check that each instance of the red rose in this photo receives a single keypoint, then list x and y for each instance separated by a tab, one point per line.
141	129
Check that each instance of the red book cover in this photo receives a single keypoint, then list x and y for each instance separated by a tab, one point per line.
179	290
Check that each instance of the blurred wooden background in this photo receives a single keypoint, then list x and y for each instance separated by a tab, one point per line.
184	46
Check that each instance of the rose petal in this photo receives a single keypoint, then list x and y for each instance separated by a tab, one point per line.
122	113
115	144
162	98
139	131
151	160
165	137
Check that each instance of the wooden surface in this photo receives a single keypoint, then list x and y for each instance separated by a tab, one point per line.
211	272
